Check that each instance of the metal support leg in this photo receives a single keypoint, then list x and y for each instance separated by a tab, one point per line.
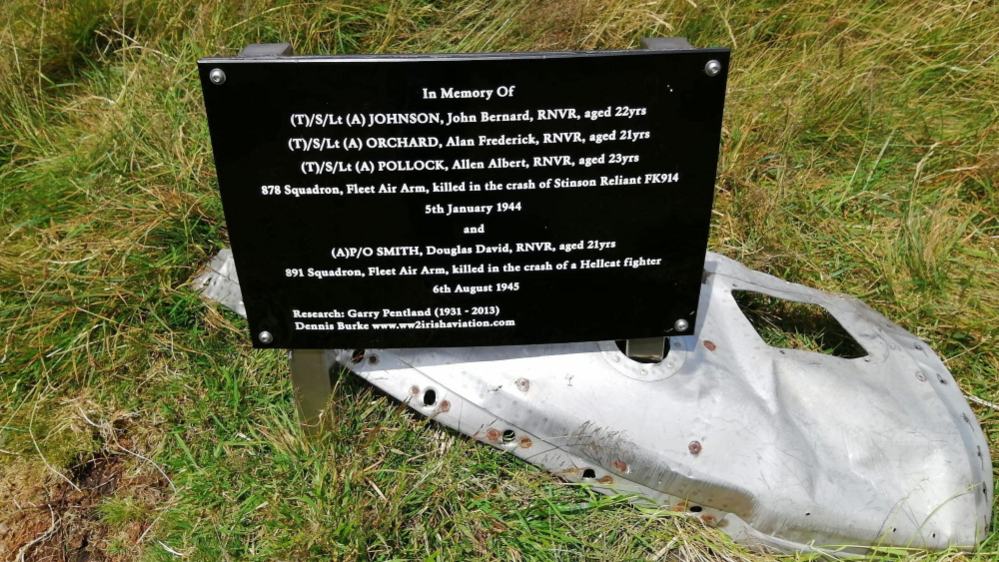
646	349
310	375
310	368
653	350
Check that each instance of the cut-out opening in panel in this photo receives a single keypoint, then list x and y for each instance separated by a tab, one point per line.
794	325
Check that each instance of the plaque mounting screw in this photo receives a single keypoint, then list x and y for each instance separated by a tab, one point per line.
218	77
265	337
711	69
681	325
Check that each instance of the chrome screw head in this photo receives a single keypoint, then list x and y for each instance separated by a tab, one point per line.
681	325
265	337
712	68
217	76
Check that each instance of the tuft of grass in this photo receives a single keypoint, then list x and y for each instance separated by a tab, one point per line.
860	154
117	512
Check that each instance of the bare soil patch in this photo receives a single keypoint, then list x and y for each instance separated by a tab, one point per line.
47	518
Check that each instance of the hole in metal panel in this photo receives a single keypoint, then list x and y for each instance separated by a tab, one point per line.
696	509
429	398
793	325
589	473
509	435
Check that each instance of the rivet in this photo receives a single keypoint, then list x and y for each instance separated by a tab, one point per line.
372	359
445	406
217	76
921	377
265	337
681	325
712	68
694	447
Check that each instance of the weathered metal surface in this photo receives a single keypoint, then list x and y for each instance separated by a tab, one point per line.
780	448
220	283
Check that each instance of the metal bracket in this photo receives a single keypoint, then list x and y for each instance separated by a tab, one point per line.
666	43
653	350
258	50
310	368
648	350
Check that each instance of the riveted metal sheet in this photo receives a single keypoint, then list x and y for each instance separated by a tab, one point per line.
780	448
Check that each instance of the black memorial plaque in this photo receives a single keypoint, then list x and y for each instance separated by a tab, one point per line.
462	200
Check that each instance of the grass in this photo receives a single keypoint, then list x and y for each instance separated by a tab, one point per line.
860	154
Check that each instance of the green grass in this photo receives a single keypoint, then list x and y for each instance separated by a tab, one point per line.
860	154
